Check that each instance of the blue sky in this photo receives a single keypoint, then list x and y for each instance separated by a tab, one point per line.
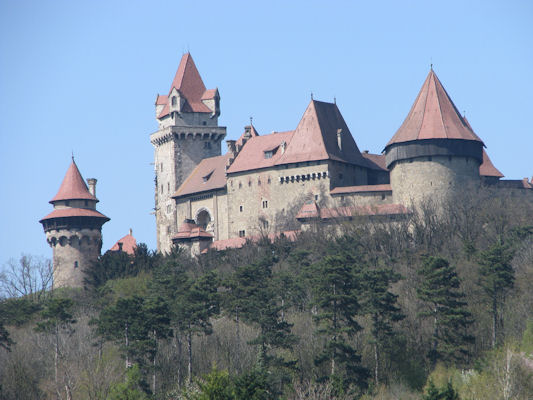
82	77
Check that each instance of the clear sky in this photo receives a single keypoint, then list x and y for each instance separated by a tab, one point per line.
82	77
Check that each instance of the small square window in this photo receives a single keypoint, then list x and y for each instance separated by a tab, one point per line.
242	233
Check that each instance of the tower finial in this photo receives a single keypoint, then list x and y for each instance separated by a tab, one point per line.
311	95
431	63
72	152
334	100
251	120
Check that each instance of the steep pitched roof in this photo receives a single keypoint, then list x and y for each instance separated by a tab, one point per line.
375	161
190	85
129	244
433	116
487	168
315	137
210	174
252	155
312	211
73	186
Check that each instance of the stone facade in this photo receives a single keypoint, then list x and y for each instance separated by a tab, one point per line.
264	182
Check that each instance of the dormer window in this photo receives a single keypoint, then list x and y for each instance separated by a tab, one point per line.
269	154
205	178
270	151
174	100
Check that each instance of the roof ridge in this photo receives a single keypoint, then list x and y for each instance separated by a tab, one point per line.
435	79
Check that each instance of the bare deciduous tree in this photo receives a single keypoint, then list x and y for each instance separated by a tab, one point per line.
29	277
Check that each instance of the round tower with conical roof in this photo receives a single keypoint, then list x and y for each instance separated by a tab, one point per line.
434	154
74	228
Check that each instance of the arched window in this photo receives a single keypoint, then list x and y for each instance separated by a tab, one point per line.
203	219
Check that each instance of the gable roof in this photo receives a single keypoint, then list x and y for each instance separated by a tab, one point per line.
252	155
190	85
129	244
315	137
487	168
433	116
375	161
209	174
73	186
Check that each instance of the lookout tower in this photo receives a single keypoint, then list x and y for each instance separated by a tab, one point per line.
435	153
74	228
188	132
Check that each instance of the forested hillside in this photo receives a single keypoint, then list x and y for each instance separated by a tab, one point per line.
435	306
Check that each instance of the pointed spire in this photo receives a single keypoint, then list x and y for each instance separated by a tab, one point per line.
73	186
433	116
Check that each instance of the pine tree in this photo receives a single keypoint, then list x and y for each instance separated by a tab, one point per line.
381	305
439	289
5	340
497	279
57	317
335	294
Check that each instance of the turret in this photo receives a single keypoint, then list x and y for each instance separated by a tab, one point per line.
74	229
435	153
188	132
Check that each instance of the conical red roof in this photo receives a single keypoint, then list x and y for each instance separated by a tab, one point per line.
190	85
315	137
433	116
487	168
73	187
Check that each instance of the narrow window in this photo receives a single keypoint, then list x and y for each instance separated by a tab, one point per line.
316	197
86	203
265	203
259	182
75	264
174	100
382	197
240	208
168	187
265	223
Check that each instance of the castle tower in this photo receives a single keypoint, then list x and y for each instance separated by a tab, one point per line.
188	132
74	228
435	153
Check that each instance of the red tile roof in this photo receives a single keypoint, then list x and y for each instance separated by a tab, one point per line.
129	244
315	137
375	161
362	189
487	168
213	169
161	99
209	94
74	212
189	230
433	116
238	242
252	155
190	85
73	186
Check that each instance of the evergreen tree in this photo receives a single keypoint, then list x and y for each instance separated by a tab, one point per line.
253	293
439	289
444	393
56	317
497	279
335	294
381	305
5	340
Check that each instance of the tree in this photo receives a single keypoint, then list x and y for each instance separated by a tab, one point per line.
31	277
57	317
335	294
381	306
5	340
439	289
497	278
444	393
131	389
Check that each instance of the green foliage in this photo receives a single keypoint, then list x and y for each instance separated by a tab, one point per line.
5	340
336	284
527	339
439	289
253	385
18	311
497	278
444	393
57	314
131	389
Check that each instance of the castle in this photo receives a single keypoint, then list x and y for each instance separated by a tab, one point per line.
207	200
266	184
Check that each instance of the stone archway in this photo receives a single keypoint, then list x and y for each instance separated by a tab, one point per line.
203	218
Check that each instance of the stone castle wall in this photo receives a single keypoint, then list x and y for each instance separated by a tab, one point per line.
436	178
74	251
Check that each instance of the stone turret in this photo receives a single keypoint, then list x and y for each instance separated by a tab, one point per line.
188	133
74	229
435	153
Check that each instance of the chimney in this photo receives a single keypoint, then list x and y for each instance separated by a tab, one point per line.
248	131
92	186
365	151
339	138
131	232
231	146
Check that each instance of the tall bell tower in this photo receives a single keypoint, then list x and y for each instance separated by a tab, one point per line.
188	132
